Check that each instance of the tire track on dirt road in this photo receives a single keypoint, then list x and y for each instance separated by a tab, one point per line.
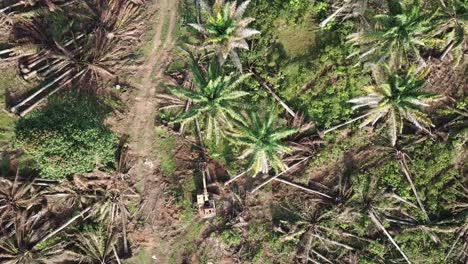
141	129
144	107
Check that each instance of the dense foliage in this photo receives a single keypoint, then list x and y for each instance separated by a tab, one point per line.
68	136
397	201
358	197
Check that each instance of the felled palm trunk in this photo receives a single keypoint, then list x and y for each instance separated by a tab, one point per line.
69	222
277	98
404	168
380	226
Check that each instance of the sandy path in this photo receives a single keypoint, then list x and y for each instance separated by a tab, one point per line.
144	107
141	129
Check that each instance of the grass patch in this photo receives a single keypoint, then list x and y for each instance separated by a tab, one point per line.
8	80
164	147
296	39
68	136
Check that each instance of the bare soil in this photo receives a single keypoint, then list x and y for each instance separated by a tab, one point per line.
140	126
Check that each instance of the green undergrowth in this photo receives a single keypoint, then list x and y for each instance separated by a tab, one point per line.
8	81
266	246
68	136
165	144
313	75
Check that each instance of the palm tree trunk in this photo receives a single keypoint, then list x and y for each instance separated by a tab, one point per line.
463	231
399	198
447	50
124	231
10	7
379	225
277	98
405	170
344	124
81	214
303	188
115	255
33	106
199	137
14	108
333	242
235	178
328	19
186	108
313	261
282	173
321	256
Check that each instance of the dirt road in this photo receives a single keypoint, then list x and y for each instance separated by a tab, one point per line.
141	127
144	106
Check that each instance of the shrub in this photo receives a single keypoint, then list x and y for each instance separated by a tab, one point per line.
68	136
231	237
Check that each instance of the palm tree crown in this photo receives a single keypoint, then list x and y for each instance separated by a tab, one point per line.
24	244
95	246
225	29
394	98
262	142
215	99
397	35
452	24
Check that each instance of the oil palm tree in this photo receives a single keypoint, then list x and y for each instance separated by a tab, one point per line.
394	98
215	99
16	198
261	139
89	52
452	24
346	9
226	29
95	247
26	245
397	35
20	6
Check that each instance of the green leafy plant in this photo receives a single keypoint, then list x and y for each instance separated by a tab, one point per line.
394	98
397	36
68	136
261	139
231	237
215	100
226	29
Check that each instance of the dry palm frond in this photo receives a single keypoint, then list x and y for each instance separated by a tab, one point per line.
25	245
89	53
16	198
95	246
23	6
348	9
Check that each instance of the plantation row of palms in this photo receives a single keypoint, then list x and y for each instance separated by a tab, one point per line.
88	53
390	44
63	44
395	97
84	219
216	97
